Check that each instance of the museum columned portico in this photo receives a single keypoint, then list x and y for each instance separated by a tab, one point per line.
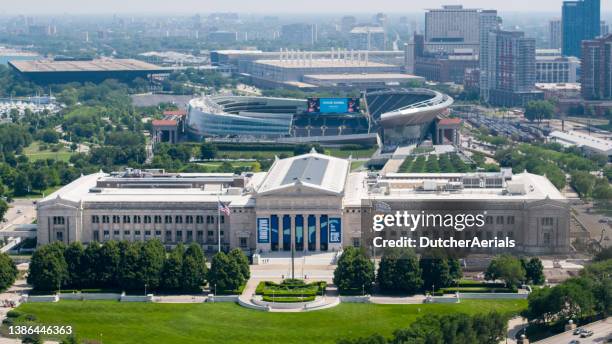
308	232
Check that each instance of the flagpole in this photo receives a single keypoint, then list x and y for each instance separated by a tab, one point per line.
219	223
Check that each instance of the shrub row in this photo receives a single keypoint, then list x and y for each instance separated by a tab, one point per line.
286	299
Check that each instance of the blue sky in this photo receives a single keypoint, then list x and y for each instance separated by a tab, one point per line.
268	6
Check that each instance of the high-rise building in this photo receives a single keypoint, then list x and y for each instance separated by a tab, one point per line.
604	28
596	69
367	38
223	37
511	69
452	24
553	68
555	36
347	24
299	34
419	45
380	19
581	21
488	21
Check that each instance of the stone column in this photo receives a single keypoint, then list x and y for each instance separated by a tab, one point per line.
318	232
293	232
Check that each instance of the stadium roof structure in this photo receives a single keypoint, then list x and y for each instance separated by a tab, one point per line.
48	71
321	63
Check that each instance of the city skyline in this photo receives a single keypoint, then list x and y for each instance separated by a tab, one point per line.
40	7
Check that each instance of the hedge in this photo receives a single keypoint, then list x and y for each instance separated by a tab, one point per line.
290	288
285	299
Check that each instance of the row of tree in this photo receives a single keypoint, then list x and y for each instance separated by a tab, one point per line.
442	329
514	271
401	271
588	295
133	266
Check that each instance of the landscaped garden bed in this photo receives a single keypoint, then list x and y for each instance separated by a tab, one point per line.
290	290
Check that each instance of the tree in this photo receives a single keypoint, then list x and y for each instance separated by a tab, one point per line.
49	136
74	257
602	190
399	271
8	271
507	268
455	270
21	184
72	339
584	183
208	151
355	272
435	272
256	166
152	256
225	274
173	269
129	271
194	268
242	261
604	254
534	271
373	339
89	260
539	110
3	209
106	268
48	269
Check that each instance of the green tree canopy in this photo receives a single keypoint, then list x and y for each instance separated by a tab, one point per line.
507	268
399	271
355	272
48	268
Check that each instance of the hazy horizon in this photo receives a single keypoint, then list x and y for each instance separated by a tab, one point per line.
42	7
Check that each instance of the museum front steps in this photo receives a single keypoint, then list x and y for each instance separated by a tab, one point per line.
301	258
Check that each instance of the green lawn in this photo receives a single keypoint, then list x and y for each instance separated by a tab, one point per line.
36	194
115	322
33	152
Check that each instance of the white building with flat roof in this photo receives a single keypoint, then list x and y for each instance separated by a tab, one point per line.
310	202
588	143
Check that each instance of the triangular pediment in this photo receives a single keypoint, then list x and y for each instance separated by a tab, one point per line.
300	190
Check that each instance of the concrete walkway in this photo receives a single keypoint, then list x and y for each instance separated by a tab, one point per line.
515	325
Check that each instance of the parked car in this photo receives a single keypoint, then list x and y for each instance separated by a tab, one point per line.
585	334
578	331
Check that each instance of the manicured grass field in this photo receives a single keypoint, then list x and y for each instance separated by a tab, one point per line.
122	323
33	152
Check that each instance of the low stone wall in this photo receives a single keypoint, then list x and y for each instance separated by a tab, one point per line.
42	298
355	299
71	296
490	296
101	296
444	299
247	304
137	298
222	298
279	305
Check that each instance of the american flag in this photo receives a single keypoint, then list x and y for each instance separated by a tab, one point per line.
223	208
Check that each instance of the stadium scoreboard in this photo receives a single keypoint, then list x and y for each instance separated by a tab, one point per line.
333	105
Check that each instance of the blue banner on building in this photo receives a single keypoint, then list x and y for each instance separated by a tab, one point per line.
335	230
263	230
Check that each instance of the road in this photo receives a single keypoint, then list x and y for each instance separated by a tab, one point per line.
21	211
591	221
602	329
